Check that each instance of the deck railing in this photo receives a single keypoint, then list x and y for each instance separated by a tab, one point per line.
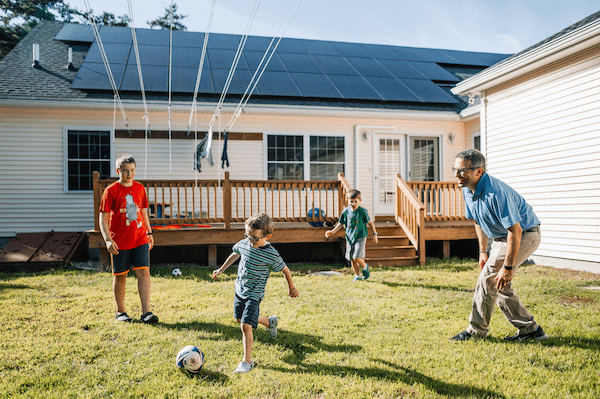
443	201
227	201
410	215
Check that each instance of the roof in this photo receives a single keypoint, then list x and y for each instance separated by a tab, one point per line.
580	35
302	72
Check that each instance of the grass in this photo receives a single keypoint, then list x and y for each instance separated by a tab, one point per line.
382	338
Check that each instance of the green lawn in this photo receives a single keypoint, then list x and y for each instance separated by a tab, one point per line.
382	338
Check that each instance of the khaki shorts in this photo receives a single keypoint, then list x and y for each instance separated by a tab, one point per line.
356	250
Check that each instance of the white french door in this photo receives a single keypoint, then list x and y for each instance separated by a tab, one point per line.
389	161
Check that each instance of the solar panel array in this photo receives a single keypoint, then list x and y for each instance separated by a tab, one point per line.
300	68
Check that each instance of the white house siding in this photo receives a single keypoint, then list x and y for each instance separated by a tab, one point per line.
543	138
472	129
32	188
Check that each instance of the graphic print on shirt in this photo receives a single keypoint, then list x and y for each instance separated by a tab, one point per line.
131	211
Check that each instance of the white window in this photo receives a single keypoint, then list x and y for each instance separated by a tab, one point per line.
424	159
477	142
299	157
86	151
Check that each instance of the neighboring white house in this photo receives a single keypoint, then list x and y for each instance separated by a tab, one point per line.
540	132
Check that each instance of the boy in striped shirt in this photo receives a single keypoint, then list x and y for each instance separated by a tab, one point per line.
258	259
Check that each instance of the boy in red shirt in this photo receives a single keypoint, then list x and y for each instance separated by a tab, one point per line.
126	229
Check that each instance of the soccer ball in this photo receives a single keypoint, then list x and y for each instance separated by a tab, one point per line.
190	360
176	272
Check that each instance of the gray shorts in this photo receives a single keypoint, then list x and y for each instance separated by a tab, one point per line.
356	250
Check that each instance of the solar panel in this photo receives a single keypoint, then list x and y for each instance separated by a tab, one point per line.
117	53
464	58
152	37
76	33
278	84
183	80
350	49
428	92
489	58
291	46
92	75
433	71
253	58
150	55
354	87
223	59
257	43
239	81
188	39
409	54
222	41
391	89
156	78
315	85
299	63
188	57
317	47
436	55
115	34
401	69
380	51
368	67
335	65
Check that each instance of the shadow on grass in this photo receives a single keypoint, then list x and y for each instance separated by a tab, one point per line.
437	287
5	287
299	344
211	376
394	372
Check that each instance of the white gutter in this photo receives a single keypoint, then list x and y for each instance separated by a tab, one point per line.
559	48
357	129
271	109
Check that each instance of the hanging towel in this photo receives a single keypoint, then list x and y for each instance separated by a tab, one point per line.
224	159
204	150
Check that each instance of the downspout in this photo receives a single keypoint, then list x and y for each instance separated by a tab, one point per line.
357	129
483	124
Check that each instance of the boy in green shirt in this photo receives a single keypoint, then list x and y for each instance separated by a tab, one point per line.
355	219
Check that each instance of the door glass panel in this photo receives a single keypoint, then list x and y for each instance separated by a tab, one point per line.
389	166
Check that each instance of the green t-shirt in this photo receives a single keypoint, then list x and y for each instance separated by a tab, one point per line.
355	223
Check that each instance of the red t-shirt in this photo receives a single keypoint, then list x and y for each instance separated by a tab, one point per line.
125	206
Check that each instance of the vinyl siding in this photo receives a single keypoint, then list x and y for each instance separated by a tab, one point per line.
32	188
543	139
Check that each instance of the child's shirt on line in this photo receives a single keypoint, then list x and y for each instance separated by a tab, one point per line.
254	269
355	222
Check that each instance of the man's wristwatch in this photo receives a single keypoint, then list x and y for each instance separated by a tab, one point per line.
508	267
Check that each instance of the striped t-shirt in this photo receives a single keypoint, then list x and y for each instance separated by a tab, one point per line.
254	269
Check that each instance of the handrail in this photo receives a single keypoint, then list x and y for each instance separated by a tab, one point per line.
410	215
226	201
443	201
343	193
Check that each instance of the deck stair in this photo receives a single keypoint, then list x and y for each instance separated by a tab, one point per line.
393	249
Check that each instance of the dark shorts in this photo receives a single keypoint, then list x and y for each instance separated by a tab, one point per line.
128	259
246	310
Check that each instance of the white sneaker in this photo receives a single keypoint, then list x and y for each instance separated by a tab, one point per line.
243	367
273	326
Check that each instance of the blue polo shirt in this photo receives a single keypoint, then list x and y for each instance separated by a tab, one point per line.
496	206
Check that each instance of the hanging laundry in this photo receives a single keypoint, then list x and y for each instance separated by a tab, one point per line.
204	150
224	159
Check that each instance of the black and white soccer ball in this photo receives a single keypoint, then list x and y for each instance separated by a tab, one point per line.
176	272
190	360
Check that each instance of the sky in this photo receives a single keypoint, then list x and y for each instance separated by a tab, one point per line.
470	25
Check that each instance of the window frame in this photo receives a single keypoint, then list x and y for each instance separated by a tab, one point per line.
306	162
66	130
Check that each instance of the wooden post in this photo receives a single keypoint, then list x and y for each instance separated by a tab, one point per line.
446	249
226	202
212	255
97	197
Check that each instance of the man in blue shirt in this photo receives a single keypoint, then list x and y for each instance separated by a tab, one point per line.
503	215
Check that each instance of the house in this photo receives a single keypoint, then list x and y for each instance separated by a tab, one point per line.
321	108
539	120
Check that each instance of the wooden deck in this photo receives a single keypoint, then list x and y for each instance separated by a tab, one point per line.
425	211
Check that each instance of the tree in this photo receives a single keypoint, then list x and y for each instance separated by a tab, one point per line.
164	22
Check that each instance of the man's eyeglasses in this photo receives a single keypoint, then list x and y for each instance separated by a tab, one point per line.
461	171
254	239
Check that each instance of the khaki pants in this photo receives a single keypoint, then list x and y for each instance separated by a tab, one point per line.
507	299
